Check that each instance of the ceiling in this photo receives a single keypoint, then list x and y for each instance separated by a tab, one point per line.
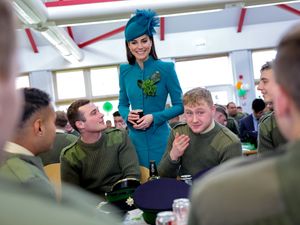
230	16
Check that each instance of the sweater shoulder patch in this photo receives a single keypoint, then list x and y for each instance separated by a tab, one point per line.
224	138
72	153
181	128
19	169
115	136
266	117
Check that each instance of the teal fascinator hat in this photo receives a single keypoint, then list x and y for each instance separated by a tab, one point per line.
143	22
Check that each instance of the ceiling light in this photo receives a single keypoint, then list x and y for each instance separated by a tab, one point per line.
62	41
30	11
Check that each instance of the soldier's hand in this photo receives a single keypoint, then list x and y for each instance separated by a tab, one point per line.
180	144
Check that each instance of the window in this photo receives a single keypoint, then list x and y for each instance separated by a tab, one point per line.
22	81
100	85
105	81
259	58
70	84
215	74
204	72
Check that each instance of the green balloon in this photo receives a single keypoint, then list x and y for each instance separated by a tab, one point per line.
242	92
107	106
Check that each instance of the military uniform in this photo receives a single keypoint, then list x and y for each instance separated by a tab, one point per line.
27	170
61	141
240	116
232	125
204	151
96	167
27	205
233	194
269	136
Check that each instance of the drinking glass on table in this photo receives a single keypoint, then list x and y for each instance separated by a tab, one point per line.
165	218
181	208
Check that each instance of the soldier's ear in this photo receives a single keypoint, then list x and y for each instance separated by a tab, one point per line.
37	127
79	124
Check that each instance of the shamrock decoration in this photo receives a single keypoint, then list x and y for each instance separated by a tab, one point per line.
148	86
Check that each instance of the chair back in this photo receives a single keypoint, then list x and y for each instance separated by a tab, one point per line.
144	174
53	173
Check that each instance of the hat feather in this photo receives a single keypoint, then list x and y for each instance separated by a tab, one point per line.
148	17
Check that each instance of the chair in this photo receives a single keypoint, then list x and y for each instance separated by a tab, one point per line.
144	174
53	173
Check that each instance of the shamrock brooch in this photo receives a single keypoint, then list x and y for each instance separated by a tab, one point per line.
149	86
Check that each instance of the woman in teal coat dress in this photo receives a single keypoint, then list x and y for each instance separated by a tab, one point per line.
145	83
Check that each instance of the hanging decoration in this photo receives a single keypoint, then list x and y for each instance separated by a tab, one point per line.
107	107
242	88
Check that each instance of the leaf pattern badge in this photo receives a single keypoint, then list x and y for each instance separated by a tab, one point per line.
149	85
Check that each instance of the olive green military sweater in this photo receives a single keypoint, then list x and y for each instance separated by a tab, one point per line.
28	171
29	205
204	151
61	141
269	136
264	190
96	167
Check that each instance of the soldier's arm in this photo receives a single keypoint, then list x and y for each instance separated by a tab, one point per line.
230	151
168	167
265	142
128	159
70	169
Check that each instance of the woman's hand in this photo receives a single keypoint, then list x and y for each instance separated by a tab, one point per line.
133	116
144	122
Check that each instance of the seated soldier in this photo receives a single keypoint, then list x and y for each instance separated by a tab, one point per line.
200	143
100	157
34	135
234	113
269	135
118	121
62	140
221	115
264	191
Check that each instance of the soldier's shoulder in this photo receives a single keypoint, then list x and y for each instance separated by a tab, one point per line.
180	125
224	138
19	168
267	118
181	128
69	148
113	130
115	136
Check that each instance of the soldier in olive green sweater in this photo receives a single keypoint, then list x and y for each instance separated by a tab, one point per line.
266	191
99	158
200	143
26	170
34	135
269	136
